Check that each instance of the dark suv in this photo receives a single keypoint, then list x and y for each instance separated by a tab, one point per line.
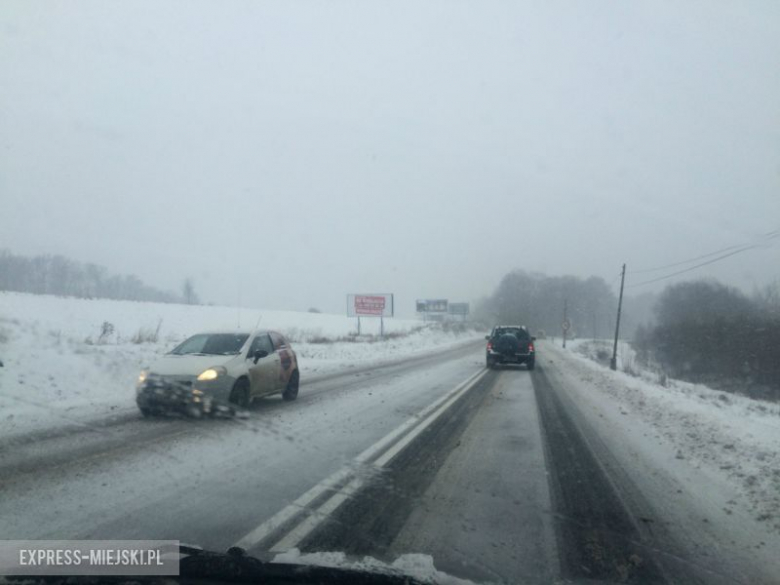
510	345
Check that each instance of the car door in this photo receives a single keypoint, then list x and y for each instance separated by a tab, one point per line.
286	358
264	374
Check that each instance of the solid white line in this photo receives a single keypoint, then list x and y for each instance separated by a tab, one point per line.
388	455
307	526
377	447
293	509
315	517
302	530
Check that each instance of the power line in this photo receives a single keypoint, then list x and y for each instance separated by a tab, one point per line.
683	262
739	251
768	236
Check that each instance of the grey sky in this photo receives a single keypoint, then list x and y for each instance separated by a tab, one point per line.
298	151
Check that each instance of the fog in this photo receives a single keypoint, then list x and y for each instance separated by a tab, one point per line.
284	154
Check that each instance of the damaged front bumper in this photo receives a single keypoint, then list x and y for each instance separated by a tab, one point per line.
159	395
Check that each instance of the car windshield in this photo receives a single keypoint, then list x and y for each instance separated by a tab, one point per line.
474	291
212	344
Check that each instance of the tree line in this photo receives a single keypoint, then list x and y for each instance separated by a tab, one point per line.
57	275
537	301
713	334
700	331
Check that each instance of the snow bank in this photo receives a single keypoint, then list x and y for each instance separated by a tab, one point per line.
733	439
71	361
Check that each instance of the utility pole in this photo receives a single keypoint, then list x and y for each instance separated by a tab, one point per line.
565	325
613	362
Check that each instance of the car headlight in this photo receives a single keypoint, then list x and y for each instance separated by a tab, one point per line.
211	374
142	376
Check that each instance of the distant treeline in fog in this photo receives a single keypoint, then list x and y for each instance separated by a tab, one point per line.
537	301
707	332
57	275
700	331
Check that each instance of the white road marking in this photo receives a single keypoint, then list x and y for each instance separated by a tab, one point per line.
302	530
381	453
290	511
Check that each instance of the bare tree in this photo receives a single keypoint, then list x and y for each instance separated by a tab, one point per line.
713	334
537	300
57	275
768	299
188	292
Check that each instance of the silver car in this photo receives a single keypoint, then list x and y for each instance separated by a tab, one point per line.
210	369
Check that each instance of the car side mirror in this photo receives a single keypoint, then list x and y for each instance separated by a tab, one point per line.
259	354
487	337
533	338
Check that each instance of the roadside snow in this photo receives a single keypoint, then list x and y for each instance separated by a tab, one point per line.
732	439
322	358
708	461
63	366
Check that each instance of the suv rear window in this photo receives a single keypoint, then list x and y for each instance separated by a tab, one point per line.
516	331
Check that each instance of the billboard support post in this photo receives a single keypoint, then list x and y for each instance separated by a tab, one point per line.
371	305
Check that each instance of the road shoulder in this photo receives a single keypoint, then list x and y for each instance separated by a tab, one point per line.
690	510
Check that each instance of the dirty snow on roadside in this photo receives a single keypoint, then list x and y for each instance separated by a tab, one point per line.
734	439
72	361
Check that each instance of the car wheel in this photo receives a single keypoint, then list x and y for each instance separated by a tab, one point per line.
531	365
145	412
490	363
291	392
240	394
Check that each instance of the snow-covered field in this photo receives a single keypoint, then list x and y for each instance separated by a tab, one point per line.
69	361
732	440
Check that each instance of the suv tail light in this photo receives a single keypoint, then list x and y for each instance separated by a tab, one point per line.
490	345
530	347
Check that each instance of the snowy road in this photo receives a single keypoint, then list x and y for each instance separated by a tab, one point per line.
495	474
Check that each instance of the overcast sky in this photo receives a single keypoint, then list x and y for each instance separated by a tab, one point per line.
284	154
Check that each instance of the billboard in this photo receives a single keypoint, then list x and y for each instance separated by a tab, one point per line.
370	305
432	306
458	309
